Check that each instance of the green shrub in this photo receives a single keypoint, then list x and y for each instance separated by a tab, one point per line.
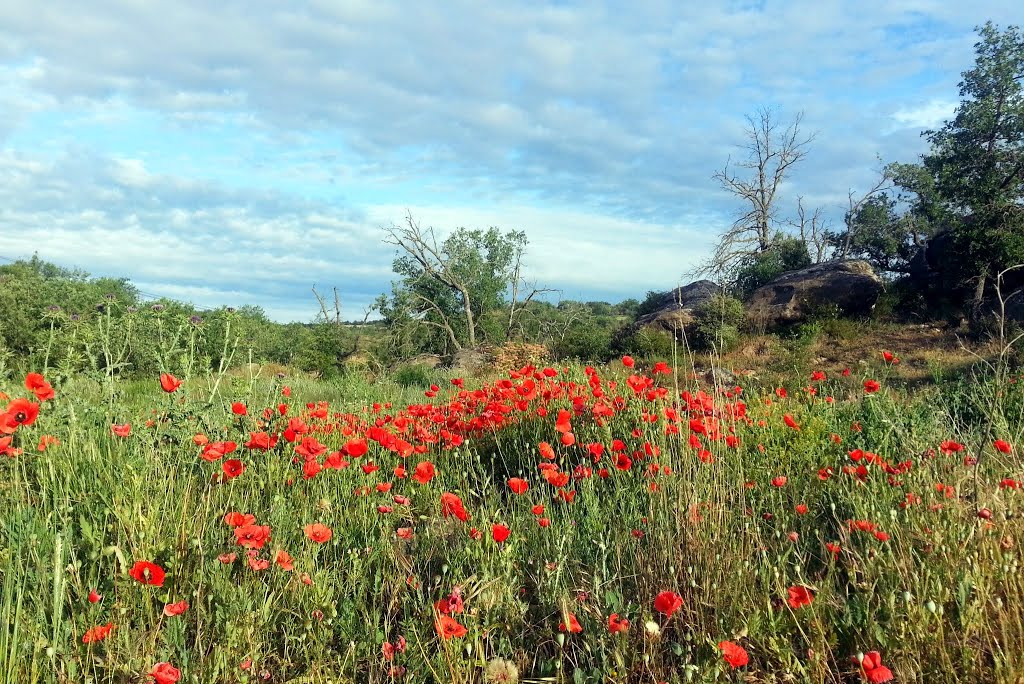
415	375
643	342
587	342
717	327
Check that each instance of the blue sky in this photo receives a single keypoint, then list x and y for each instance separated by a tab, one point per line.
241	153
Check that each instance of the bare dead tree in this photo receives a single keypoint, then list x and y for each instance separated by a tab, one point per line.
813	231
771	153
422	247
516	307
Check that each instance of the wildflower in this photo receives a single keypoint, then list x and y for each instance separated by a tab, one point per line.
871	386
424	472
573	627
172	609
1002	446
448	627
169	383
779	481
518	485
617	624
500	532
501	671
121	430
873	670
284	560
451	504
667	603
239	409
232	468
147	573
790	422
37	385
165	673
734	654
799	596
317	532
94	596
252	536
97	633
628	361
19	412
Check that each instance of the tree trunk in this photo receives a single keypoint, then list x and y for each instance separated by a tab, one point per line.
979	296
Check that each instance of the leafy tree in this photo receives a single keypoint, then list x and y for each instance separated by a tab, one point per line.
977	161
879	234
446	287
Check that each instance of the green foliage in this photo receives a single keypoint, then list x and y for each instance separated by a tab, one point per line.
589	341
784	254
717	325
414	375
643	342
977	159
445	290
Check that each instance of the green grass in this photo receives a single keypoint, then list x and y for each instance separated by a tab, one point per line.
941	599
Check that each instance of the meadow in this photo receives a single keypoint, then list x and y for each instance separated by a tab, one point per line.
622	523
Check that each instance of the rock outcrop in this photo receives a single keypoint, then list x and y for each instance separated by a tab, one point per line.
675	309
849	288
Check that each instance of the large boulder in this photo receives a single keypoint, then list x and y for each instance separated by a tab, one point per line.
471	361
675	308
852	287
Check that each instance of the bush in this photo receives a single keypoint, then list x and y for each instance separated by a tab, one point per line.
415	375
587	342
718	324
643	342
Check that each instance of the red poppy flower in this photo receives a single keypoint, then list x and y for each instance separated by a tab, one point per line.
500	532
1002	446
97	633
801	509
165	673
617	624
147	573
317	532
424	472
667	603
121	430
574	626
252	536
788	420
284	560
37	385
172	609
518	485
779	481
799	596
94	596
19	412
871	386
169	383
239	409
873	670
628	361
452	505
448	627
232	468
734	654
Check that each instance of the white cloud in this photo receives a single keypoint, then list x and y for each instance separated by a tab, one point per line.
928	115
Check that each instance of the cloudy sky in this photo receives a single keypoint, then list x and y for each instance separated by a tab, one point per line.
244	154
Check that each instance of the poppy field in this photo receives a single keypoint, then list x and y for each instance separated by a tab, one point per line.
625	523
